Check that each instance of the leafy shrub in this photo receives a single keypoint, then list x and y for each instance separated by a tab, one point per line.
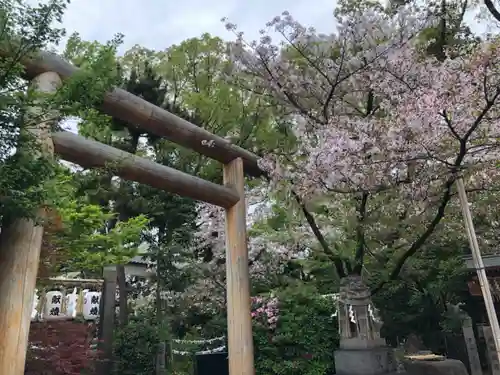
60	348
135	347
301	341
304	339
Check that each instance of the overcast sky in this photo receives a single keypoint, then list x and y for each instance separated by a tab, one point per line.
158	24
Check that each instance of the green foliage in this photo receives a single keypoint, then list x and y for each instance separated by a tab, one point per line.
98	73
90	249
305	337
418	301
82	240
23	30
21	190
29	27
193	74
135	346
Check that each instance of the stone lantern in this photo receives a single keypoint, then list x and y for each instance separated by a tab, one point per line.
361	351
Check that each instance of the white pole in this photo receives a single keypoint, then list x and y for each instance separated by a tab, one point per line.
479	265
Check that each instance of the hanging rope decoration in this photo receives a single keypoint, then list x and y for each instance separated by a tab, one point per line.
373	313
211	351
199	342
334	297
352	317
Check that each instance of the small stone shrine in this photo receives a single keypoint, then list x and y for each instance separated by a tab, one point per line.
362	351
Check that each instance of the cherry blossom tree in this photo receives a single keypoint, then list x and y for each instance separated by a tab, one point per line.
266	258
381	129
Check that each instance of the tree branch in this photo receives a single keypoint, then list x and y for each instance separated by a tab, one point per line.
492	9
337	81
441	55
360	234
337	260
447	120
445	198
421	240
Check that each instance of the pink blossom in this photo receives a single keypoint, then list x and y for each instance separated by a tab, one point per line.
373	113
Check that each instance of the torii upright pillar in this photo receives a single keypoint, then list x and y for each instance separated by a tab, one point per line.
20	244
239	320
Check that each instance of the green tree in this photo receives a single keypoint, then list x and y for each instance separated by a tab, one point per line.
73	241
194	74
136	346
418	301
305	336
23	29
30	183
170	216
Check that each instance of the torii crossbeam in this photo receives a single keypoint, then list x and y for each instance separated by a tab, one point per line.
18	268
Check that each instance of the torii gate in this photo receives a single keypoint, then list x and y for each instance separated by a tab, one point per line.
18	268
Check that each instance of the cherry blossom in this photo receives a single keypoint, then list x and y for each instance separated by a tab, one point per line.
265	257
378	122
265	310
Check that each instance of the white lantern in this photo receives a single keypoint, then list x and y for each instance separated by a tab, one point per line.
71	302
91	301
53	304
34	312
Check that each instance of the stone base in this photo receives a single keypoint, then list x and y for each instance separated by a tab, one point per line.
357	343
373	361
446	367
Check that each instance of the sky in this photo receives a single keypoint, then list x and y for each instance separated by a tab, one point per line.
157	24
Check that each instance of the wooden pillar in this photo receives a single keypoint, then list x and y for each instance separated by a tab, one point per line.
107	321
20	244
491	350
471	345
480	269
240	341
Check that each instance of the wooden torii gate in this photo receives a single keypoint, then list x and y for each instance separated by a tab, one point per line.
19	257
